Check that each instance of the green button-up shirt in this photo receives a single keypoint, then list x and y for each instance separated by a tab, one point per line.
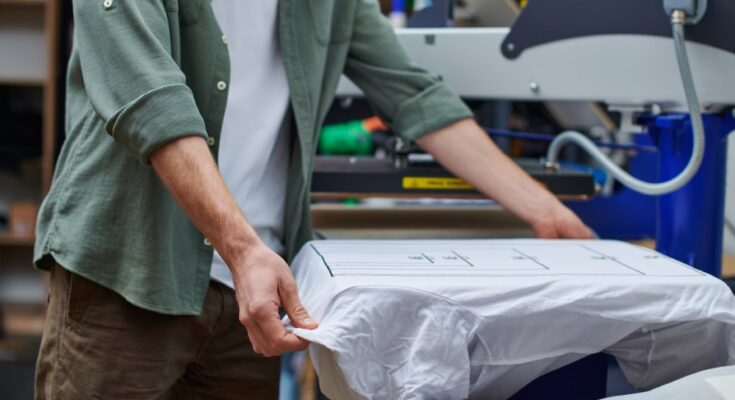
147	72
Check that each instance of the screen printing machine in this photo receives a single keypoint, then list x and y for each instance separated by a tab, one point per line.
675	98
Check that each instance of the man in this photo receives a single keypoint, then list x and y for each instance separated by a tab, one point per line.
141	304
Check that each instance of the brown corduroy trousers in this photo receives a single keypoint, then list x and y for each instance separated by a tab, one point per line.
96	345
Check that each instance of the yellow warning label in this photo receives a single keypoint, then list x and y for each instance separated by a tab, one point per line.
430	183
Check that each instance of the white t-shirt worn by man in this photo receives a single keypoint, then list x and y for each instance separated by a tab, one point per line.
254	145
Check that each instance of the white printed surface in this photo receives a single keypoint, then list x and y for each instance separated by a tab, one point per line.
724	386
495	258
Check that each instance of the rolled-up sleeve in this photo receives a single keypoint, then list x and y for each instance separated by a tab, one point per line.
411	100
130	76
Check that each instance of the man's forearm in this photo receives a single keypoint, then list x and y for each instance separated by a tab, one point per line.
466	150
262	280
189	172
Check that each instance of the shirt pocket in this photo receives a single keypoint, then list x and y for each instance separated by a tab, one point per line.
332	20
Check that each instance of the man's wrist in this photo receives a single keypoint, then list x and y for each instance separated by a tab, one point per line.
241	248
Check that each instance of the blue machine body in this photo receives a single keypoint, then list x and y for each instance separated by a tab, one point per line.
687	224
625	215
690	222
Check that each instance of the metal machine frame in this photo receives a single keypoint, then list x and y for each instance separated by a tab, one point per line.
583	69
633	72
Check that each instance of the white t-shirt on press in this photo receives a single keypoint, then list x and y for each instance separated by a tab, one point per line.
254	145
480	319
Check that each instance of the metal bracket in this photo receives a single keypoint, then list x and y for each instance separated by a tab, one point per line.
547	21
694	9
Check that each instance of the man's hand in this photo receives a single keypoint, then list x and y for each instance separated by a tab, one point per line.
561	223
466	150
263	283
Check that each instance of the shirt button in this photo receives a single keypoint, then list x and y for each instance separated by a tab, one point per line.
107	3
221	86
211	141
225	40
207	242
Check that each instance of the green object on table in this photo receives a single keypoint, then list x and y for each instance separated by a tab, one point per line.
350	138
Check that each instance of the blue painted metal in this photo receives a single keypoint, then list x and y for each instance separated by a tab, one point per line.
687	224
625	215
599	175
690	221
546	137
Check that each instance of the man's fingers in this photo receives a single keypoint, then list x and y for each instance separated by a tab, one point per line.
279	340
588	233
296	311
576	229
292	343
546	232
266	332
256	337
252	316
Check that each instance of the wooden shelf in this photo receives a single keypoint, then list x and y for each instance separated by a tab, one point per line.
21	320
34	28
11	240
728	266
36	3
31	82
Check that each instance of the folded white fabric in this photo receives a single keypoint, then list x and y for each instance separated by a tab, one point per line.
483	318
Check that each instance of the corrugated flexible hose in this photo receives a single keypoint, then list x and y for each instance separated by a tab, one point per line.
695	113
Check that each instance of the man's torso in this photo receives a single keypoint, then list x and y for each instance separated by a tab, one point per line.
255	139
107	208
